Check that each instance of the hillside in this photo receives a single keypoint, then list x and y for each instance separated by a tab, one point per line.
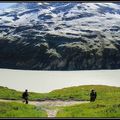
19	110
70	93
100	109
106	105
60	36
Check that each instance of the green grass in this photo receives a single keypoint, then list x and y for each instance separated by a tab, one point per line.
6	93
97	109
106	105
14	109
82	92
75	93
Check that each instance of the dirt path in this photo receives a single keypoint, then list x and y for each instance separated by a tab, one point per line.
50	106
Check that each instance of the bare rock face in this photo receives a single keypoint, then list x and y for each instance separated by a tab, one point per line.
60	36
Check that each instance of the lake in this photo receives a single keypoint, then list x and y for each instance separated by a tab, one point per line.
46	81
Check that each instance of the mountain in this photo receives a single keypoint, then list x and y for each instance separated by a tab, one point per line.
60	36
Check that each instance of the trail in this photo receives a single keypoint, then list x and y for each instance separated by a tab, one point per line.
50	106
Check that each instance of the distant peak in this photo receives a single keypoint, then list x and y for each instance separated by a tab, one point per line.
25	5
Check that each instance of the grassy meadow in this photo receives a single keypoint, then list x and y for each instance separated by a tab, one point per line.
14	109
102	109
70	93
106	105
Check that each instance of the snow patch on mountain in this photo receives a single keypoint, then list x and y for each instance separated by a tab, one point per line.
67	35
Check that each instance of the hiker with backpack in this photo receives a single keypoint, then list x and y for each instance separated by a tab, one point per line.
93	95
25	96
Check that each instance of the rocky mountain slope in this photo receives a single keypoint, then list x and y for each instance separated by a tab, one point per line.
60	36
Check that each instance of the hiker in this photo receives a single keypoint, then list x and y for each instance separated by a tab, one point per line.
93	95
25	96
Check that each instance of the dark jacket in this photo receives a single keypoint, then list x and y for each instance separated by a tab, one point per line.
93	96
25	95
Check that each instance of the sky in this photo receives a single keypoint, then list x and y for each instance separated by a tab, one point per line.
46	81
5	5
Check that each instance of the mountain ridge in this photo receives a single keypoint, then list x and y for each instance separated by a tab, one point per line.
60	36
